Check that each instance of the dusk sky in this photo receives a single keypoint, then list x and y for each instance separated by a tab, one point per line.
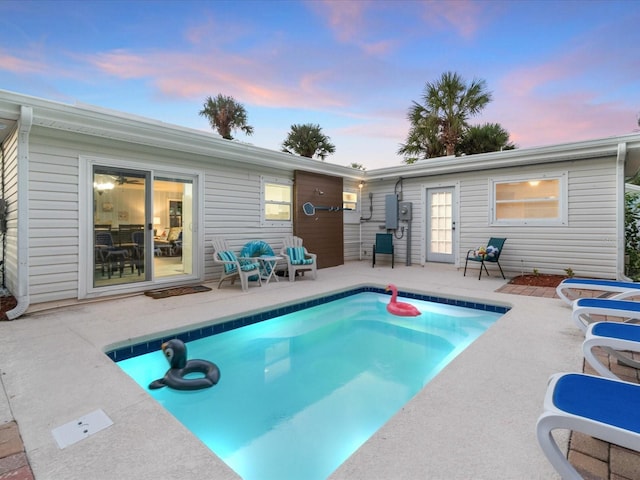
559	71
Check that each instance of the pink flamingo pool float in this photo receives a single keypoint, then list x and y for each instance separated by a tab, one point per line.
400	308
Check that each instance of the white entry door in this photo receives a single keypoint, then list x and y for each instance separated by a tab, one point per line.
440	225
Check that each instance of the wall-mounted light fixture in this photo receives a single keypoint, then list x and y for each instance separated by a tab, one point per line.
319	192
361	184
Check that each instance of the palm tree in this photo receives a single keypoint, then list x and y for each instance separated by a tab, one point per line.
225	115
422	141
447	106
488	137
308	140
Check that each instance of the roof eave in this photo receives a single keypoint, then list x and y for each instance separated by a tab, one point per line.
102	123
510	158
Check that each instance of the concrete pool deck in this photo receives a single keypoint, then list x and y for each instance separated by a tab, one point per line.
474	420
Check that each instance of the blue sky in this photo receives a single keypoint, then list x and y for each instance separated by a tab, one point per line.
559	71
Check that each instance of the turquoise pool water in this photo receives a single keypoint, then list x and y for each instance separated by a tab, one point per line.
299	393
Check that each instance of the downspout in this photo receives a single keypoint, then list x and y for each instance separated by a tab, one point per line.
22	228
620	226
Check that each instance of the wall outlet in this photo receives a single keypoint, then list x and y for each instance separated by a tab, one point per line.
365	252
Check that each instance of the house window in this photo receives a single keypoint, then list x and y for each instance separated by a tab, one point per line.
351	206
276	202
350	201
529	200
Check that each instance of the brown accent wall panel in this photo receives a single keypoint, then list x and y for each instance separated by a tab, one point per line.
323	232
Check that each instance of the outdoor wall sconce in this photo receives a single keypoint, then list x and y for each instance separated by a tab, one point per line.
361	184
319	192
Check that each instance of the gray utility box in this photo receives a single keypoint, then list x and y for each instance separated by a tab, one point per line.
405	211
391	212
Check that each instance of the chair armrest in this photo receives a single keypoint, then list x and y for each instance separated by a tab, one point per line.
219	260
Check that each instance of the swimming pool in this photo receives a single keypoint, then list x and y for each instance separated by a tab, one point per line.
301	392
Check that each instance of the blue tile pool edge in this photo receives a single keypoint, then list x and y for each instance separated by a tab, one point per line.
153	345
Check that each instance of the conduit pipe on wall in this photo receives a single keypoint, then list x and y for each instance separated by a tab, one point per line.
22	210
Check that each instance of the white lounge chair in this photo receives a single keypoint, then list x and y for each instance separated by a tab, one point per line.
234	267
298	258
585	308
615	338
618	290
600	407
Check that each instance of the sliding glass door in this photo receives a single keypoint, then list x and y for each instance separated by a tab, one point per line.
142	226
173	226
119	225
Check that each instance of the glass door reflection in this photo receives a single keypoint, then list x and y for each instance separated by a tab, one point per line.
119	219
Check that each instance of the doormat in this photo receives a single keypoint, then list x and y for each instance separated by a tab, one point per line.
174	292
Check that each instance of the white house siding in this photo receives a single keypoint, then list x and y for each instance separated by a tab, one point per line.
10	159
351	242
232	210
587	244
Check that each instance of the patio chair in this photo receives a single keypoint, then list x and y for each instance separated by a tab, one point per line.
616	339
234	267
599	407
489	254
110	257
298	258
384	245
584	310
569	289
138	250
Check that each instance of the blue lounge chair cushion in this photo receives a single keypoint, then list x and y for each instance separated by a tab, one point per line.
623	331
297	256
609	304
569	288
600	399
602	283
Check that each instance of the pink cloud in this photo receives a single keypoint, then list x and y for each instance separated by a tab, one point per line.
19	65
199	75
462	15
536	120
553	102
344	18
350	25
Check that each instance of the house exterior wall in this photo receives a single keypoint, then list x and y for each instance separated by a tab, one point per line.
232	202
10	193
587	244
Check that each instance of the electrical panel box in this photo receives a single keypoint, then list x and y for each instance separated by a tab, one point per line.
391	212
405	211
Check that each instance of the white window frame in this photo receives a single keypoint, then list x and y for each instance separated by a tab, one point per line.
265	222
352	216
562	220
